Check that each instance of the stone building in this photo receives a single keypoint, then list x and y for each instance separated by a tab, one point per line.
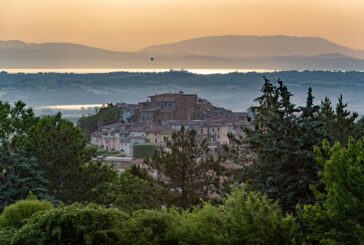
169	106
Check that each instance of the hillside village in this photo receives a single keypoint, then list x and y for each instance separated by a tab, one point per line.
151	123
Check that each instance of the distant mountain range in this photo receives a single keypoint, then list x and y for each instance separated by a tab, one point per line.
233	52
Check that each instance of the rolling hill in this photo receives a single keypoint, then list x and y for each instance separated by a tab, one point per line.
230	52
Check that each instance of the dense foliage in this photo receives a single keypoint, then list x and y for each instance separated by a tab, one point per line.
73	224
15	121
283	140
19	175
338	215
105	115
60	149
172	198
244	218
128	193
188	172
16	215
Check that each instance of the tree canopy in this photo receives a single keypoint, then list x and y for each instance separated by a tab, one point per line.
338	214
187	170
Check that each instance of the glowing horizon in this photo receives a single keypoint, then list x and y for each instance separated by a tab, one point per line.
132	25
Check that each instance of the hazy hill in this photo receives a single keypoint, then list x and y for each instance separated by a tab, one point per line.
230	52
235	91
252	46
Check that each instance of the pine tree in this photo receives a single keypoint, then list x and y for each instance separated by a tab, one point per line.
339	124
266	102
19	175
187	171
285	166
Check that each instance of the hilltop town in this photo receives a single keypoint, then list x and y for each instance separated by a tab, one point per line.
151	123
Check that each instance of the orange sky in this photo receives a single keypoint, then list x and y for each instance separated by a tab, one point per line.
134	24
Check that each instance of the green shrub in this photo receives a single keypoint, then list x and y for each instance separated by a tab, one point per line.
143	150
251	218
244	218
201	226
150	227
6	235
73	224
17	214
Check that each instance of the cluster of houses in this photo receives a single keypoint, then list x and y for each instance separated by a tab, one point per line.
153	122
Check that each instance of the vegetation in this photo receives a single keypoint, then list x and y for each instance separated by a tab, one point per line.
128	193
14	121
283	141
105	115
294	190
60	149
143	150
19	175
187	172
337	217
247	218
73	224
16	215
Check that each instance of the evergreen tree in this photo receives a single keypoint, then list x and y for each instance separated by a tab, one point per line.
187	170
337	216
266	101
339	124
19	175
285	165
60	149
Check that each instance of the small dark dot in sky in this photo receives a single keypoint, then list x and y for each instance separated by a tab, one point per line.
151	58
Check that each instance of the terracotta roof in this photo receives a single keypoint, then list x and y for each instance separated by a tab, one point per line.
113	125
161	130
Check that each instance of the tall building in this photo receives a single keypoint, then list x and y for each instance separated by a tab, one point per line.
169	106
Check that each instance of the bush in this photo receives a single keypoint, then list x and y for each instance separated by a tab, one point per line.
143	150
244	218
251	218
128	193
201	226
17	214
150	227
6	235
73	224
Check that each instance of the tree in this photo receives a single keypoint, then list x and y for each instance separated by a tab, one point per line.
244	218
16	215
15	121
150	227
73	224
60	149
128	193
340	123
282	141
85	182
106	115
337	216
187	171
19	175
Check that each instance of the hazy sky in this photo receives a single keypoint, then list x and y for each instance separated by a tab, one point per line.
134	24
